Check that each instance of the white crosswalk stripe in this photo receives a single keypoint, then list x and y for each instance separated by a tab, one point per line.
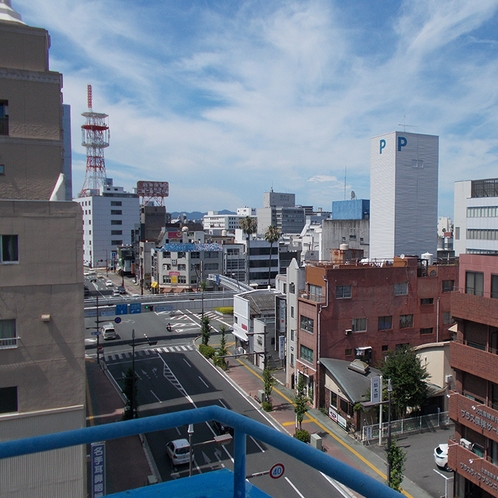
148	352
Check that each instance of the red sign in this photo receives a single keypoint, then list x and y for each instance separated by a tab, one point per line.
277	471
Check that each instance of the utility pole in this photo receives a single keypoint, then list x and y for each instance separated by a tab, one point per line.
132	397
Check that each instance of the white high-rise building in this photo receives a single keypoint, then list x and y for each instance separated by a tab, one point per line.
403	194
108	220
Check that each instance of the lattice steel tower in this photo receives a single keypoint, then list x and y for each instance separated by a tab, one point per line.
95	137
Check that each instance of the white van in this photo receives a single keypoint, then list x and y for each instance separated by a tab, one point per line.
108	331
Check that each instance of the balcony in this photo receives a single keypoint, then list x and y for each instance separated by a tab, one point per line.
9	343
232	484
477	309
473	467
478	417
475	359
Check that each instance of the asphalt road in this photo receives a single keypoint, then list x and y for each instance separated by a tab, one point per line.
178	378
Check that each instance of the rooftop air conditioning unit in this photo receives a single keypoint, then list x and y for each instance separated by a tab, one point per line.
466	444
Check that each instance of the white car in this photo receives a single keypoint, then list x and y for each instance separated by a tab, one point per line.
178	451
108	283
441	455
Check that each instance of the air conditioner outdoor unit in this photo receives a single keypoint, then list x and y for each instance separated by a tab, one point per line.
348	331
466	444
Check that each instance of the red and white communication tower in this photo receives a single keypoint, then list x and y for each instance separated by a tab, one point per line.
95	137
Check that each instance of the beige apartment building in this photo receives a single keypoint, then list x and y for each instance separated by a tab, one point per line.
42	369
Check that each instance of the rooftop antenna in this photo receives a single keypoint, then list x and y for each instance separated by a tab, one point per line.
404	125
345	176
95	137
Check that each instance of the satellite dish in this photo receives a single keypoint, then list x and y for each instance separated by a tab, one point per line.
353	195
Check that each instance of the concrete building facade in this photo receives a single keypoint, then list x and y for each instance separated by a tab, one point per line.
42	362
109	217
403	194
476	217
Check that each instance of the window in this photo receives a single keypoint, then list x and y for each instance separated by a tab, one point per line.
166	254
4	117
116	211
494	286
346	407
8	399
8	339
359	324
426	331
333	399
427	300
195	255
292	288
2	169
385	322
116	232
348	352
474	283
385	347
116	222
306	354
182	279
9	249
166	279
182	267
343	292
315	293
405	321
447	318
181	255
293	335
116	203
401	289
116	242
448	285
307	324
292	311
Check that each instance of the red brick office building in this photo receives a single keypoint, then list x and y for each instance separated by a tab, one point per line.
473	453
360	311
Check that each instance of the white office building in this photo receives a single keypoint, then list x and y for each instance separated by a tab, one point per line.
403	194
108	221
476	217
216	223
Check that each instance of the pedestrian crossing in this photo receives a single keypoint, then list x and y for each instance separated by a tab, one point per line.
144	353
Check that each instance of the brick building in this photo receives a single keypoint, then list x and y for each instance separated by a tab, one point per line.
360	311
473	453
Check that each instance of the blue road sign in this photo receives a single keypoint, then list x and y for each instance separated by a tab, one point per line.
117	319
135	308
121	309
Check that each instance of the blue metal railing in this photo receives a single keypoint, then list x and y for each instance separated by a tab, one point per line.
349	476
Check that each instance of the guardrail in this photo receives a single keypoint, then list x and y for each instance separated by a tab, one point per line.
349	476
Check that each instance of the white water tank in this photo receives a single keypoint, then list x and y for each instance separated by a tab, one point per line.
429	257
344	247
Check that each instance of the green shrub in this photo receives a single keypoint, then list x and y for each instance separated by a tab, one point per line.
267	406
226	310
220	362
207	351
302	435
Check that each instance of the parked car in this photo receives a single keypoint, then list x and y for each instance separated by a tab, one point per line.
121	290
441	455
220	429
108	283
115	292
178	451
108	331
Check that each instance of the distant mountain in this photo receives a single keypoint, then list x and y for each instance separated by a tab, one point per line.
196	215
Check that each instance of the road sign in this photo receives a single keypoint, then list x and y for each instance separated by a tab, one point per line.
135	308
117	319
121	309
277	471
96	332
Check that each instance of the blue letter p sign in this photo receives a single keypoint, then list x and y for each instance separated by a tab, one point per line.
382	145
402	141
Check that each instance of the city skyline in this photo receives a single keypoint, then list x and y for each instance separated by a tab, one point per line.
228	100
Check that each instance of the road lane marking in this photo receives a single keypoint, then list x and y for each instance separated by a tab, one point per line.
294	487
154	394
202	380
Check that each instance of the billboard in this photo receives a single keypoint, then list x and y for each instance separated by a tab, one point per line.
152	189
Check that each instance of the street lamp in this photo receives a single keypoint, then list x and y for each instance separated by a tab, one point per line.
190	431
132	396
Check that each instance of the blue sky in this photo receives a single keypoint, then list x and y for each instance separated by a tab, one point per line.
226	99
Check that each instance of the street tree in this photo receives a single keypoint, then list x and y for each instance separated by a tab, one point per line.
268	383
205	330
301	402
408	375
222	350
272	235
396	458
249	226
